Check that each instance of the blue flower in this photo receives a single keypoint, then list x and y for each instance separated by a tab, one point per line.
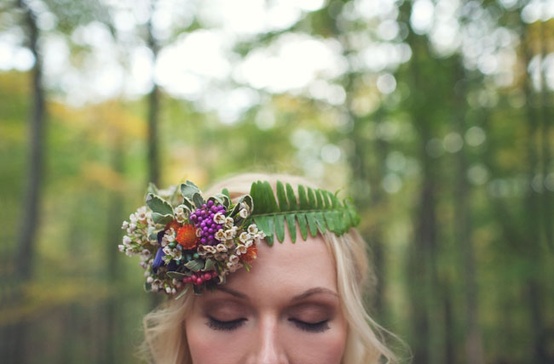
158	260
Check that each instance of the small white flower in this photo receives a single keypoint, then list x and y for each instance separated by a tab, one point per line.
221	248
221	257
220	235
244	206
252	229
209	249
169	237
141	215
243	213
244	236
233	267
231	233
240	250
219	218
180	214
234	259
229	222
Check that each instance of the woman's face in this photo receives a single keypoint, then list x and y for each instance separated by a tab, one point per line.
285	310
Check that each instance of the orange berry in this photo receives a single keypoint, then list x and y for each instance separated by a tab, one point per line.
250	255
186	236
173	224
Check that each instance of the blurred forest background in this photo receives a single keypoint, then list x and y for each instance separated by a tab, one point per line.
437	115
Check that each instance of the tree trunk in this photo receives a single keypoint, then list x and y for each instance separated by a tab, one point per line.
153	120
534	217
463	230
111	334
30	221
422	265
153	108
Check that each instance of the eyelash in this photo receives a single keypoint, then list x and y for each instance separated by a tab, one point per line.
313	327
224	325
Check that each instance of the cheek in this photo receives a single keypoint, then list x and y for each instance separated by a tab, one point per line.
208	346
201	343
316	348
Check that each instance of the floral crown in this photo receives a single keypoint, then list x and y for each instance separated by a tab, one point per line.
186	240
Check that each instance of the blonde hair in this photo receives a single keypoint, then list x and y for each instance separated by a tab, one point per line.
165	337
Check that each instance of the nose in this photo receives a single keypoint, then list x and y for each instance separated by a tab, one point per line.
269	347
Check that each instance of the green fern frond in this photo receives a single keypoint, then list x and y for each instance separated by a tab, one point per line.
313	210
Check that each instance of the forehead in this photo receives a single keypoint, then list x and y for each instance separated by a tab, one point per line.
288	267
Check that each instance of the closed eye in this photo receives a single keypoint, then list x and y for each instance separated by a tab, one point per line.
314	327
220	325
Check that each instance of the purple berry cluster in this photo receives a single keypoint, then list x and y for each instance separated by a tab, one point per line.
203	219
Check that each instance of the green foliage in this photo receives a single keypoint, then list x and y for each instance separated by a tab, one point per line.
313	210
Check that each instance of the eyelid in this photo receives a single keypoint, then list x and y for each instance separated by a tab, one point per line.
312	327
220	325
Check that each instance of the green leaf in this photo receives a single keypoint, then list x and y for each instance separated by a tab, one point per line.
220	199
302	199
161	219
262	194
265	224
293	205
312	223
246	199
158	205
333	223
302	225
311	198
280	227
195	265
188	189
152	189
291	224
319	199
176	275
198	200
209	265
320	221
281	197
326	200
189	204
313	210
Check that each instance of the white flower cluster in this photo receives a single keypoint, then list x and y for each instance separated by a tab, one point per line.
138	229
157	285
230	247
171	249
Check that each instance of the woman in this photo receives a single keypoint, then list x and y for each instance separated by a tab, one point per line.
299	300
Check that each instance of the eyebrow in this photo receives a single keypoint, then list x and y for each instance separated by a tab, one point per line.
299	297
314	291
